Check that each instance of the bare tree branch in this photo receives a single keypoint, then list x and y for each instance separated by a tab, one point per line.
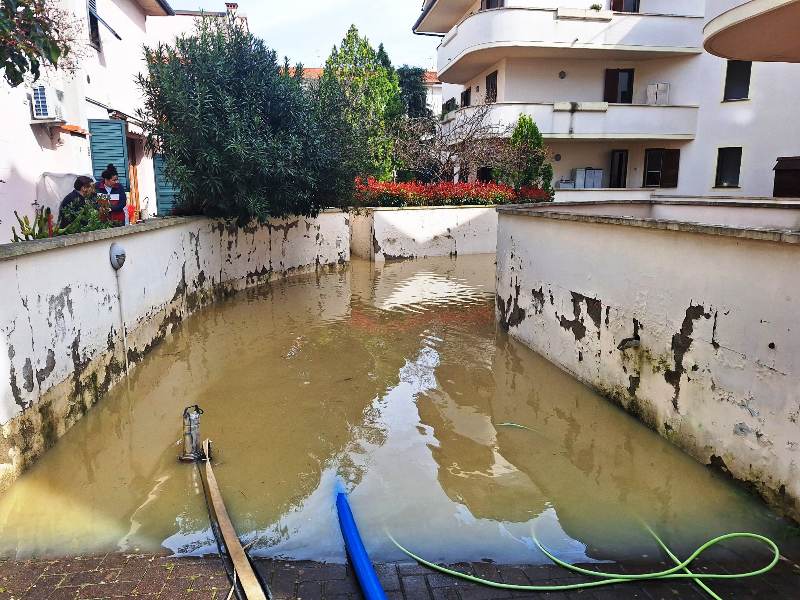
436	150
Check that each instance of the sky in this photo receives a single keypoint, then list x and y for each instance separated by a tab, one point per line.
306	30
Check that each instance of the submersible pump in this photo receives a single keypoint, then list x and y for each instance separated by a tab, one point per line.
192	449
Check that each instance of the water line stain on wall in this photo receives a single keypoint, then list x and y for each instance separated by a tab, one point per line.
76	355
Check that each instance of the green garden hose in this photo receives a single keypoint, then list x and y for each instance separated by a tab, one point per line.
680	571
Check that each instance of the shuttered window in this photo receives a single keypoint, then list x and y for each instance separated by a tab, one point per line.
109	146
166	192
618	86
787	177
95	20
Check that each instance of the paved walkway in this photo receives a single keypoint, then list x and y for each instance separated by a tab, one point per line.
158	577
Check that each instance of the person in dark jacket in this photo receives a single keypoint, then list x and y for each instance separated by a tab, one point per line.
83	188
109	185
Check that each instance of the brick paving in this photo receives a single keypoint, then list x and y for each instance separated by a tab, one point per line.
160	577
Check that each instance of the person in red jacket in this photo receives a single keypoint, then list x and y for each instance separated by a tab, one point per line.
109	185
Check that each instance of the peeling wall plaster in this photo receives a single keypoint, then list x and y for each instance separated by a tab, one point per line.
695	334
60	336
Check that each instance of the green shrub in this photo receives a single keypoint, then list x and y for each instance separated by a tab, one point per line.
527	163
242	136
370	88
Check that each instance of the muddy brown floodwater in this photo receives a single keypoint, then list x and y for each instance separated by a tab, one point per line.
396	379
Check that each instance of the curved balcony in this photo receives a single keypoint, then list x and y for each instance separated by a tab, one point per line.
738	30
594	120
484	38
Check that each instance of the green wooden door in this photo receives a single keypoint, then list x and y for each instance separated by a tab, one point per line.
109	146
166	192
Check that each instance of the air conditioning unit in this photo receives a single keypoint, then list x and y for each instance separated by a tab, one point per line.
658	94
45	104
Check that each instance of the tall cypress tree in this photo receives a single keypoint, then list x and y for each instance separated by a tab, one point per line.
414	93
372	92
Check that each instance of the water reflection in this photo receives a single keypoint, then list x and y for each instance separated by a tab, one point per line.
395	379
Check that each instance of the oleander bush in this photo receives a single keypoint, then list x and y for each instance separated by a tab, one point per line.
243	136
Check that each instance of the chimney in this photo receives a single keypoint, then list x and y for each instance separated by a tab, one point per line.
232	7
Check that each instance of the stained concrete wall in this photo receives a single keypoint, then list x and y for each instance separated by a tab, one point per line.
387	233
690	327
60	325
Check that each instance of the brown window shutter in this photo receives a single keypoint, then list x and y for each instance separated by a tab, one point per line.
670	168
616	5
787	177
612	85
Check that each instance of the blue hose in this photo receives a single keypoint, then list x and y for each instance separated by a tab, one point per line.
359	559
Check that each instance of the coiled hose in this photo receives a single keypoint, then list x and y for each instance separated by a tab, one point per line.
680	571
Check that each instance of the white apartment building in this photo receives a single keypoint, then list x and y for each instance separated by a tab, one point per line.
623	91
87	120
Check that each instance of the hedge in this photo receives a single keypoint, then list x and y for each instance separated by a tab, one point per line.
371	193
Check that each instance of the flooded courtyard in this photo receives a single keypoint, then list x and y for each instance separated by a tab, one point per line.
451	436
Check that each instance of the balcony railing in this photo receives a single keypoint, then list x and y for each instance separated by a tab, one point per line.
484	38
594	120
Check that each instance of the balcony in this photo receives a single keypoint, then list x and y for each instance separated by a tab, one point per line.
484	38
595	120
738	30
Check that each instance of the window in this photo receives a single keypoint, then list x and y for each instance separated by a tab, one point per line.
491	87
729	162
485	174
95	20
466	97
737	80
487	4
661	167
629	6
94	25
619	169
619	86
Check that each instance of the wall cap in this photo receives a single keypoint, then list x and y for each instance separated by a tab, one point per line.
395	208
552	211
17	249
13	250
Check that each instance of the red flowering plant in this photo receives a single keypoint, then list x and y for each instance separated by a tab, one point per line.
372	193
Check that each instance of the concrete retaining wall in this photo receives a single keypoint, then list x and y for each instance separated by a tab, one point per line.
691	327
388	233
593	195
60	332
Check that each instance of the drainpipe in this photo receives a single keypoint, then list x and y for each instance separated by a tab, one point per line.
573	108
